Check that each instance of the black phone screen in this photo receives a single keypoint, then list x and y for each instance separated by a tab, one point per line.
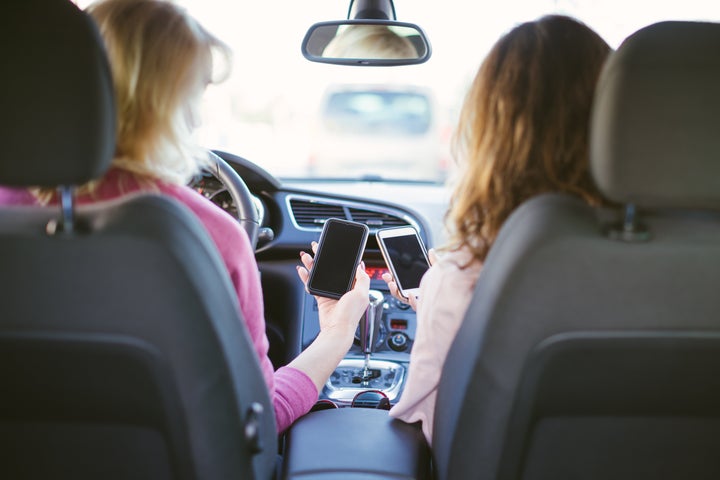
408	259
339	251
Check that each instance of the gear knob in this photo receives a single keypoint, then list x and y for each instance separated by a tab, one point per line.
370	323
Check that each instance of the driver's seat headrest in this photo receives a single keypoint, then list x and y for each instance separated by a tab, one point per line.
655	131
56	92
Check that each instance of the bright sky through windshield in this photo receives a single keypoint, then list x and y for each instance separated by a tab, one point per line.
268	34
266	111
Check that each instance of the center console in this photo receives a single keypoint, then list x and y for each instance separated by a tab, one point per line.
366	443
386	368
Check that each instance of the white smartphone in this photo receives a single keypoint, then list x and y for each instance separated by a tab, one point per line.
405	256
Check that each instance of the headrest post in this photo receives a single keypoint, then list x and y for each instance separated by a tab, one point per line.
67	202
629	220
630	230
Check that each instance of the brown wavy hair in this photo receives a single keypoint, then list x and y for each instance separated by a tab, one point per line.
523	127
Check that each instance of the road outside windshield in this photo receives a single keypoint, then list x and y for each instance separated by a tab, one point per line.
299	119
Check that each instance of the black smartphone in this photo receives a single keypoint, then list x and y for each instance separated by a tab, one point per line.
405	256
339	251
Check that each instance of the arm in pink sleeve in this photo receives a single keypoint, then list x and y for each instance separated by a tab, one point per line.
293	393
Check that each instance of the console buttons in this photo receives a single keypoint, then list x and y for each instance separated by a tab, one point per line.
401	305
398	324
398	341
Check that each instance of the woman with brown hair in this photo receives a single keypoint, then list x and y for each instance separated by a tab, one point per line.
523	131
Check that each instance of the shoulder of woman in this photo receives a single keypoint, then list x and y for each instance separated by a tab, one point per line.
201	206
453	272
224	229
460	260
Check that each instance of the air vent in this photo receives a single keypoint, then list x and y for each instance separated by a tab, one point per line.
375	219
310	214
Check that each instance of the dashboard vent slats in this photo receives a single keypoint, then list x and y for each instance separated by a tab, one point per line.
376	219
311	214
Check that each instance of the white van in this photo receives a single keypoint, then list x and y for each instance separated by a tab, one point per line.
379	130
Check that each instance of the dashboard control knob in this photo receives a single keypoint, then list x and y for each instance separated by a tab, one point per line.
400	305
398	342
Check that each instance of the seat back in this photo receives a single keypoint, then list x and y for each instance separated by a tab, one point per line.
123	352
590	347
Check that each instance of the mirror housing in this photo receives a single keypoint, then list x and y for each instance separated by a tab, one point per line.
366	42
378	9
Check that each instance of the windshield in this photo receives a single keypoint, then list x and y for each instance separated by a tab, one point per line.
376	112
299	119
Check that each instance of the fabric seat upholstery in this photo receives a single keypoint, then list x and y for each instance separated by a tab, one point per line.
590	348
123	353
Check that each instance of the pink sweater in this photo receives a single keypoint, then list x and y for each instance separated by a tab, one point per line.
293	393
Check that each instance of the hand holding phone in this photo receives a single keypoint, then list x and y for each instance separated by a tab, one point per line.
339	251
405	256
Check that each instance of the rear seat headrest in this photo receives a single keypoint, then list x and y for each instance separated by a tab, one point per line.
655	129
58	114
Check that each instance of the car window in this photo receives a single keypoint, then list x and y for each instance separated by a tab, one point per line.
299	119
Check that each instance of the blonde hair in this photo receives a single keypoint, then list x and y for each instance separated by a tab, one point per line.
523	127
161	61
373	41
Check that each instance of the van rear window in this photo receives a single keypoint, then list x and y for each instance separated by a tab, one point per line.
378	113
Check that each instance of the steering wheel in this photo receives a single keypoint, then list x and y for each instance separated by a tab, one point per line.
247	212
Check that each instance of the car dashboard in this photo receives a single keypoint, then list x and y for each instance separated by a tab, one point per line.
292	215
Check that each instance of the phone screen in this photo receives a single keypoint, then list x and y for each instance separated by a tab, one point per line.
408	260
339	251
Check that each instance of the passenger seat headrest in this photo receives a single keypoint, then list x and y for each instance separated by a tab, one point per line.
57	122
655	128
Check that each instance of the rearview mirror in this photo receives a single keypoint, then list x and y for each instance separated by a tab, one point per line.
366	42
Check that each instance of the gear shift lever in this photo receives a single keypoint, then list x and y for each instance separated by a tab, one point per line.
370	328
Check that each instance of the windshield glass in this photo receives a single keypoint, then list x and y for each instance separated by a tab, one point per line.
299	119
378	113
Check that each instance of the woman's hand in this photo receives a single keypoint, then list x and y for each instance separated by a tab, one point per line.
339	316
395	292
338	322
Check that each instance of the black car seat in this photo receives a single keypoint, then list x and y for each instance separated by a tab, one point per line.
591	348
123	354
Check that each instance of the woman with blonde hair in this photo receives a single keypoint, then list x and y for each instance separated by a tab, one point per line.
369	41
523	131
162	60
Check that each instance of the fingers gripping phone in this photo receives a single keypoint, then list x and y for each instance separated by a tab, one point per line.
339	251
405	256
